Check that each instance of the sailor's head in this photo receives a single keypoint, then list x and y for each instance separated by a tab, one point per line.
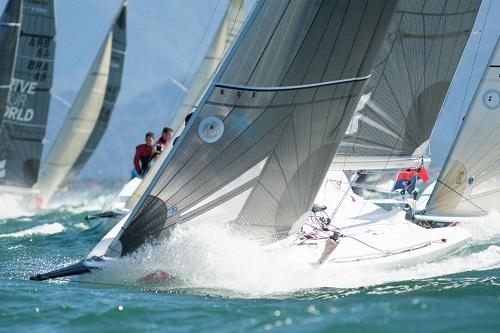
150	139
188	116
167	134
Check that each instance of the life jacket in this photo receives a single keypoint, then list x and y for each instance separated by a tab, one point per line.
142	158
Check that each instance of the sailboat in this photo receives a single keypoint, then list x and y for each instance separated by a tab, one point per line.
469	184
222	41
301	78
90	113
25	118
395	117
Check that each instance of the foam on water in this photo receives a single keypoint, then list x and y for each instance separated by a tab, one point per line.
44	229
210	256
485	227
12	206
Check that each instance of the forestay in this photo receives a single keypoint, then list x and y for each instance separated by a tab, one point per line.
223	40
89	107
469	183
26	113
268	126
9	36
414	69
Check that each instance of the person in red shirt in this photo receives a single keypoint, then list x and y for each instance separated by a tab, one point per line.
166	137
144	153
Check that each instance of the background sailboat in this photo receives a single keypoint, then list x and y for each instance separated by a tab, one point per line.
25	119
400	105
89	115
469	183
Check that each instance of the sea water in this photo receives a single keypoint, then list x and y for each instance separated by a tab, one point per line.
227	283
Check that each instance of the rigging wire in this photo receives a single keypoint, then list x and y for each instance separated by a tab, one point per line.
196	52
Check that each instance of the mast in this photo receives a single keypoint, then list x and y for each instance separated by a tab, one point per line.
25	117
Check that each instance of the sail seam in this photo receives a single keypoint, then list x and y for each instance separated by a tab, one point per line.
296	87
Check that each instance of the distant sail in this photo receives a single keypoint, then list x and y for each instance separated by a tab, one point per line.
118	51
263	137
10	23
469	183
226	33
25	118
88	108
405	94
221	43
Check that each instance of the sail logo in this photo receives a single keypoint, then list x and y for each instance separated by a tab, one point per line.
491	99
2	168
17	101
211	129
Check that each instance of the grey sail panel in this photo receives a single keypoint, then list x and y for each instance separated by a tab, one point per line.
402	100
26	114
251	114
10	22
118	50
469	183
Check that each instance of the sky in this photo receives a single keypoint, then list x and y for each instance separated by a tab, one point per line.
167	40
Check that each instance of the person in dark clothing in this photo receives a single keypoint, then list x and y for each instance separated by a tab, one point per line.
186	120
144	153
166	137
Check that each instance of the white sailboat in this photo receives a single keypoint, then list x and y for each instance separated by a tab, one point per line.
89	115
261	142
469	183
295	80
394	120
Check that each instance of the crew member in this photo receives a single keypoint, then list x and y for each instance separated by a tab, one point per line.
144	153
166	138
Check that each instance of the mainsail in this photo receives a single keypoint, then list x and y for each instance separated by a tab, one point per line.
9	36
88	117
469	183
226	33
266	129
26	113
118	51
402	100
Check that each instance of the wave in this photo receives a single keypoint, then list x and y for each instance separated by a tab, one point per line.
209	256
44	229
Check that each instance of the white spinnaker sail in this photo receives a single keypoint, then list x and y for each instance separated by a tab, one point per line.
469	183
221	43
270	122
10	22
79	123
405	94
